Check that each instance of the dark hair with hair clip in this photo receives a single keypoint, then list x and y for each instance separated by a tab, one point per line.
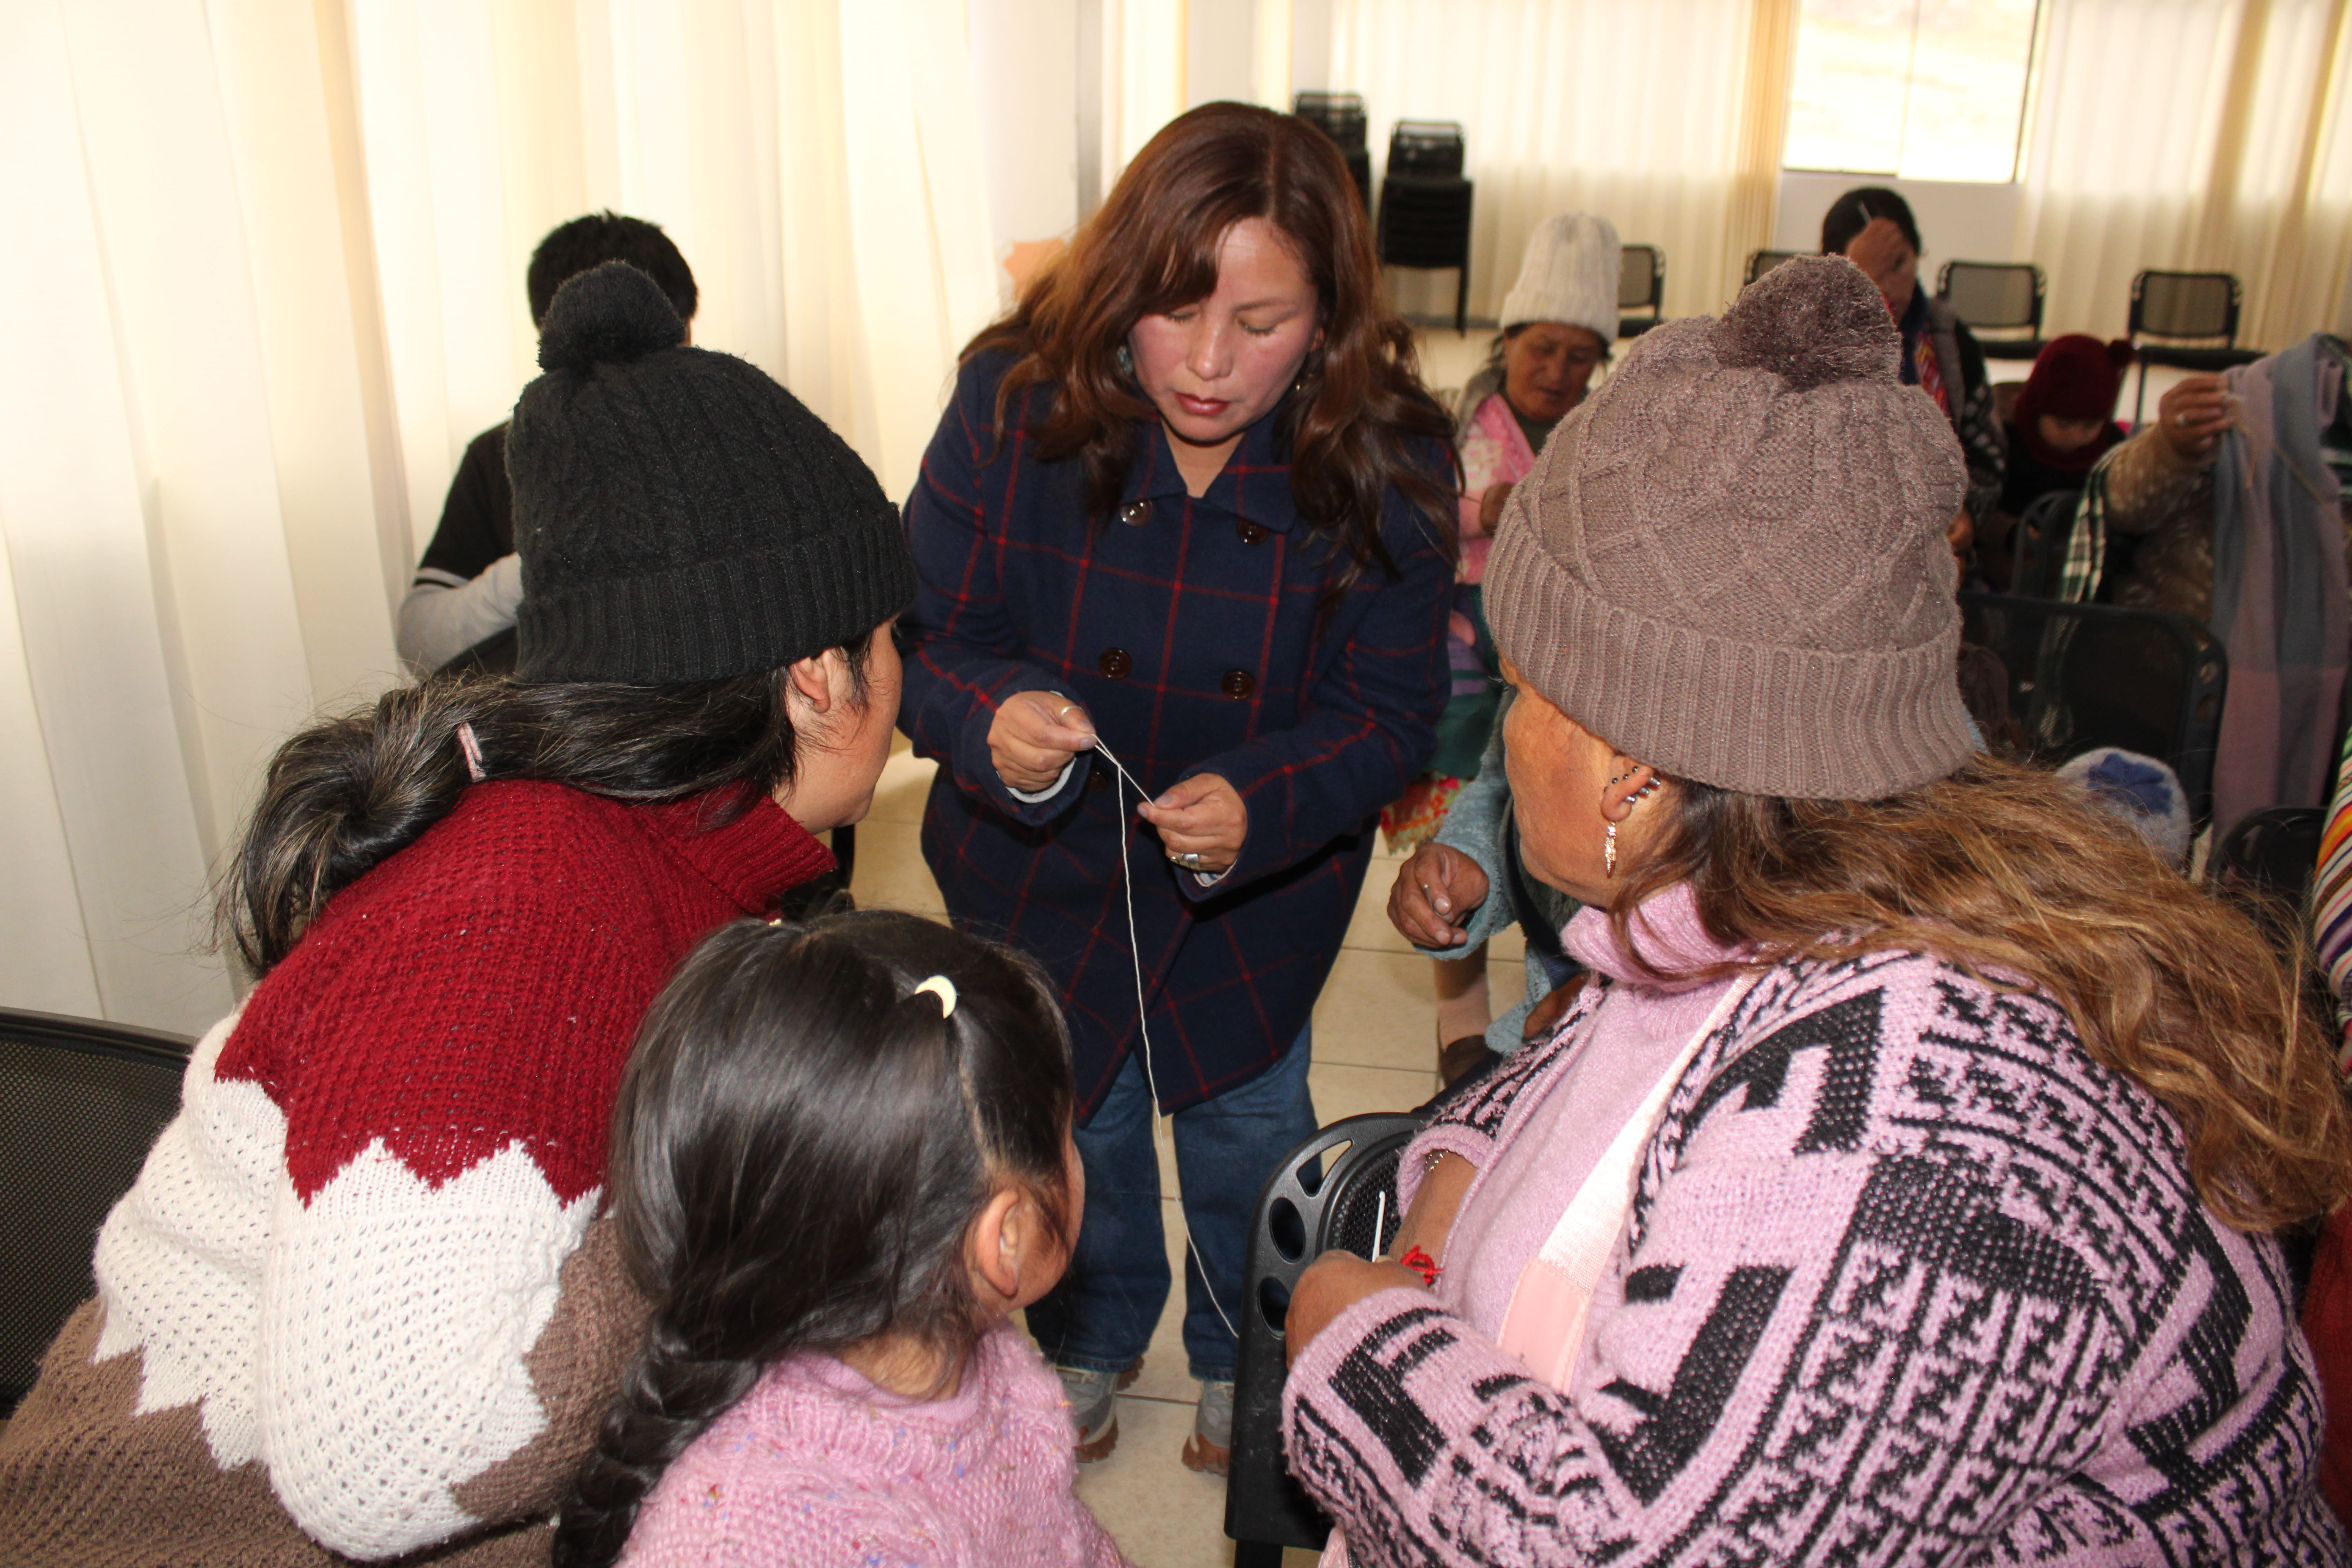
802	1141
1851	213
1350	426
350	792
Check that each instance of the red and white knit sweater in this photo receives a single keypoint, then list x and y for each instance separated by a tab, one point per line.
361	1299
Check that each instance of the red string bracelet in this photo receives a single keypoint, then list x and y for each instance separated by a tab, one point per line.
1422	1264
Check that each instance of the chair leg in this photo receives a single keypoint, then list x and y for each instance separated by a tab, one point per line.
2140	403
1462	299
1256	1554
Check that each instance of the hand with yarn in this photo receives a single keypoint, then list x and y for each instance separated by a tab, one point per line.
1202	815
1435	894
1033	736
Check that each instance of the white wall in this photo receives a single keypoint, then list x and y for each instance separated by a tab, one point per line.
1961	221
1310	46
1220	51
1024	67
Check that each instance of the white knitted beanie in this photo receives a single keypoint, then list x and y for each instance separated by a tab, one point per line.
1570	275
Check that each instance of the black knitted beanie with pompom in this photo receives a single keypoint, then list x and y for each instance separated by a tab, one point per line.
680	516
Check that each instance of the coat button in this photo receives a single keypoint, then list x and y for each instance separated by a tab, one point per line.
1251	532
1116	663
1097	779
1238	684
1135	513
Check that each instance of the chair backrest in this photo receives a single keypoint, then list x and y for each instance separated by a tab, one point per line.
80	1104
1430	149
2038	548
1339	115
1336	1190
1759	262
2273	852
1642	278
1994	296
2197	305
2084	676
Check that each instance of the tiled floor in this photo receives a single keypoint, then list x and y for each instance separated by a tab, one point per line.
1375	1041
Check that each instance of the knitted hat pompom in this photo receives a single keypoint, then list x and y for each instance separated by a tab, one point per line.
1812	320
612	314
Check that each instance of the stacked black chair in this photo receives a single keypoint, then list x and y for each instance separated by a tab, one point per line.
1641	286
1759	262
1306	1209
2085	675
1425	217
1340	116
2195	316
2037	550
1999	301
2273	852
80	1104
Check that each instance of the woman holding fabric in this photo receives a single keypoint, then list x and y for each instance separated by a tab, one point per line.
1900	1191
1187	520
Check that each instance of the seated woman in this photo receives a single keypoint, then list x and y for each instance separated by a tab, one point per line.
363	1300
1874	228
2063	423
1901	1190
1559	322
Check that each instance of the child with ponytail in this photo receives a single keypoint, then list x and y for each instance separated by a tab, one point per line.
841	1159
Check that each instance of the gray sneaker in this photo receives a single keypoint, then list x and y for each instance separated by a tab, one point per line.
1094	1406
1210	1447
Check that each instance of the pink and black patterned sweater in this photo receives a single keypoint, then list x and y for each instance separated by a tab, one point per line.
1907	1278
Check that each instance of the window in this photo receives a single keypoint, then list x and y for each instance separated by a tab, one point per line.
1921	89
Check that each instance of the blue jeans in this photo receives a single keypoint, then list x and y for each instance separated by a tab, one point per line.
1102	1314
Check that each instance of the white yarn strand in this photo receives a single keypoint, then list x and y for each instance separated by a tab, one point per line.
1142	1024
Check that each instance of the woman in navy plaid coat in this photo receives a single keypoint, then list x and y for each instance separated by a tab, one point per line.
1191	502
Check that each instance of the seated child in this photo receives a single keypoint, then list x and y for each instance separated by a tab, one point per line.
840	1159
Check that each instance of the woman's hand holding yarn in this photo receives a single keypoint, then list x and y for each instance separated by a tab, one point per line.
1437	889
1033	736
2193	413
1201	816
1333	1283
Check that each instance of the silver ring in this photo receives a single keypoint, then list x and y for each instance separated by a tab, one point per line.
1190	862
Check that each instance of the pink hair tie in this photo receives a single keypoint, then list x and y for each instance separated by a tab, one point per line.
472	750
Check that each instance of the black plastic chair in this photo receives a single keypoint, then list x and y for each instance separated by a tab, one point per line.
2037	547
1424	218
1997	299
1340	116
1759	262
1641	286
80	1104
2190	311
2273	852
2085	675
1336	1190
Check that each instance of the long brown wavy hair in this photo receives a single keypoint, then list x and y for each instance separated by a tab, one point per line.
1349	428
2007	872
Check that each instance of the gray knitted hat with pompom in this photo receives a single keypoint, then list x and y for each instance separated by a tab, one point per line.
1730	562
681	516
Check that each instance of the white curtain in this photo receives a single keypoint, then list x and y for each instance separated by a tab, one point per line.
1663	117
267	259
2198	135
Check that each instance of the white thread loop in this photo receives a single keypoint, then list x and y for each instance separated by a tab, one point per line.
941	986
1142	1024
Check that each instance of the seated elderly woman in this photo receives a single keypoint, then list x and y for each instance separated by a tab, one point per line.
1901	1189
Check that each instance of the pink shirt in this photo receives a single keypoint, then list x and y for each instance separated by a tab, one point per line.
817	1467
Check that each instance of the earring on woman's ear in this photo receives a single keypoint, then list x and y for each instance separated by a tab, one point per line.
1608	849
1125	360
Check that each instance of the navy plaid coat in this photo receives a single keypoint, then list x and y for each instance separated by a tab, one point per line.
1187	628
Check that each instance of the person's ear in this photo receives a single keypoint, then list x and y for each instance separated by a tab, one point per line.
1629	782
814	681
998	1238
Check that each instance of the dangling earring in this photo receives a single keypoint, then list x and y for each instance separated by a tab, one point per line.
1125	360
1608	849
